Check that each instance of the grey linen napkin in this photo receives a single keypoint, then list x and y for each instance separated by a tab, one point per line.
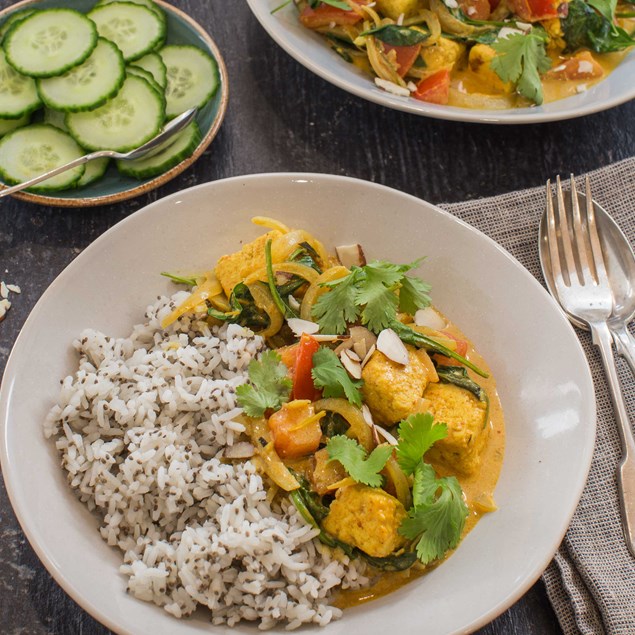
591	580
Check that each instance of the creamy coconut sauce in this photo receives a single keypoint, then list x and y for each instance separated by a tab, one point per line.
478	489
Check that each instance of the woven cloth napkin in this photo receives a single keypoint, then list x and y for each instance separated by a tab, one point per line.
591	580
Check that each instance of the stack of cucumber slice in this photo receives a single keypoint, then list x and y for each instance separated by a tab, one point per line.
73	83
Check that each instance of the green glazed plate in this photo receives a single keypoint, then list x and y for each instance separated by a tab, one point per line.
113	187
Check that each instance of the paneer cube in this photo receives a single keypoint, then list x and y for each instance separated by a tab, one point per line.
367	518
442	55
394	8
234	268
464	416
393	391
325	472
479	62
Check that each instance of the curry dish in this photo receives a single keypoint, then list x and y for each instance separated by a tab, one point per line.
369	409
484	54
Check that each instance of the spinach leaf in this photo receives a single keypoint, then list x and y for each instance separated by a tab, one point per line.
458	376
304	501
399	562
396	35
584	27
338	4
243	310
333	424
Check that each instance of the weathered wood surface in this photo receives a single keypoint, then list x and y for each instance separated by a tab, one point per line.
283	118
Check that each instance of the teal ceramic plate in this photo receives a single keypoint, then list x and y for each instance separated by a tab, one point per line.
114	187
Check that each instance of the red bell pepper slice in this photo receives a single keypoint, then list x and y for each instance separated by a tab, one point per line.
535	10
325	14
405	56
303	387
434	89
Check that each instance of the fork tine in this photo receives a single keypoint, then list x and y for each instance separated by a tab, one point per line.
580	235
552	239
565	233
596	245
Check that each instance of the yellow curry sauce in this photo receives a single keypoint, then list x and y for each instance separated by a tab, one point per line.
414	377
478	489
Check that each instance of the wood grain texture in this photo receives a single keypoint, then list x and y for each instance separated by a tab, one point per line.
283	118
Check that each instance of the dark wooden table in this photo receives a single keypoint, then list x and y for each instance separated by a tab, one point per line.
283	118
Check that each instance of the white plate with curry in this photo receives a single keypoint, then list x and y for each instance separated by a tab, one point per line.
548	400
479	97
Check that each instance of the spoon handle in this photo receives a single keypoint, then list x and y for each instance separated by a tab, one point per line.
625	344
626	472
47	175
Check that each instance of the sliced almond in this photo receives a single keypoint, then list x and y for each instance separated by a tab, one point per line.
241	450
371	350
389	437
359	333
293	303
353	367
353	355
14	288
347	343
351	255
4	290
368	417
360	349
323	337
429	317
299	326
392	347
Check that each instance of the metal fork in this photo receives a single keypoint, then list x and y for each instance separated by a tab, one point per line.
583	291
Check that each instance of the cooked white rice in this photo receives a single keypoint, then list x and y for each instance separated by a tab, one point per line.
141	427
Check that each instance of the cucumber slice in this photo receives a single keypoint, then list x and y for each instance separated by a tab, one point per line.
140	72
12	19
18	93
88	85
153	63
192	78
135	29
129	119
185	143
7	125
50	42
153	6
55	118
95	169
30	151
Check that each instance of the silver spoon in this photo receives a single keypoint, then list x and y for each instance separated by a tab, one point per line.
620	263
156	144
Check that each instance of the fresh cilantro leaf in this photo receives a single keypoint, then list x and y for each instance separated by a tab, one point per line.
413	295
438	520
369	293
191	282
329	374
397	35
269	385
424	485
417	434
380	306
353	457
336	307
521	58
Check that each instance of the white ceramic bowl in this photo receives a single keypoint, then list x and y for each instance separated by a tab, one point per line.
311	50
548	398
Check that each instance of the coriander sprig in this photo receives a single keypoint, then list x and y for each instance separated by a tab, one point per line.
521	59
373	294
269	385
